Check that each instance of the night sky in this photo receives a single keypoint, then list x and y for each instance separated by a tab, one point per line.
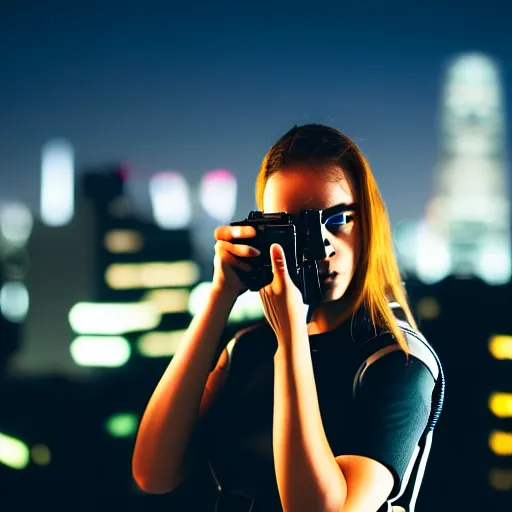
191	86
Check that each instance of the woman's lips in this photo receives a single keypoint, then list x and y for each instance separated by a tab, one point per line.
328	277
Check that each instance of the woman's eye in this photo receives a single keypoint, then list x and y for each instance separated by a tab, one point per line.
337	221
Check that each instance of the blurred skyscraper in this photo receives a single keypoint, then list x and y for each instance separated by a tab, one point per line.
466	229
16	225
60	273
143	275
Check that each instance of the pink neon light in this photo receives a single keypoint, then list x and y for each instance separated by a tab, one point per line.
219	175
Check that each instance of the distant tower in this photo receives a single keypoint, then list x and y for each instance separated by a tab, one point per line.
466	231
57	183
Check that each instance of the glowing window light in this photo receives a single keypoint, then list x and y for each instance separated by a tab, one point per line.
494	264
57	183
100	351
123	241
501	442
217	194
41	454
433	260
123	276
122	424
500	404
428	308
169	301
198	297
14	301
170	200
500	346
160	344
247	307
13	452
16	223
113	318
500	479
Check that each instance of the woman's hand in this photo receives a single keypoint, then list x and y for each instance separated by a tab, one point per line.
224	275
282	300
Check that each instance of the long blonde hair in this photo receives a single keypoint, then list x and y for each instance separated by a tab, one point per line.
377	279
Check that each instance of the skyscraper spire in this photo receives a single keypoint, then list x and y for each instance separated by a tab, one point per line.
466	230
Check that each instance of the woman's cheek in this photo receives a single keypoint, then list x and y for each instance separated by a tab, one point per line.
350	253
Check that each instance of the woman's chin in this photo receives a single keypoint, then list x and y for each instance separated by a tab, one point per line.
335	290
332	294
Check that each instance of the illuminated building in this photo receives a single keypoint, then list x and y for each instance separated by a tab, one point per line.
60	261
460	254
466	231
16	225
468	323
144	271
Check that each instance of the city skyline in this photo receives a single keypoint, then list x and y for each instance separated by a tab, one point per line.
168	90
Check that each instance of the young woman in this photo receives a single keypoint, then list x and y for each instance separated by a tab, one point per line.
316	413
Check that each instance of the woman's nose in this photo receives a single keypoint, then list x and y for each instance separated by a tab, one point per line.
329	251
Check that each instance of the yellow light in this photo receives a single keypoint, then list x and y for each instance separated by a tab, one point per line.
41	454
500	404
123	241
113	318
428	308
501	442
500	346
100	351
124	276
160	344
500	479
13	452
168	300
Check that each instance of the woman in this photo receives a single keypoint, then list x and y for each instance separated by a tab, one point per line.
278	417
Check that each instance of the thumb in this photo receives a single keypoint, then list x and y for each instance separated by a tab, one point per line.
278	260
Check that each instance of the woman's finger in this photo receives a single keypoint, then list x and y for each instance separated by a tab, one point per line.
228	233
243	251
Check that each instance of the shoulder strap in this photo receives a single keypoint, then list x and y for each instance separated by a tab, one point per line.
418	347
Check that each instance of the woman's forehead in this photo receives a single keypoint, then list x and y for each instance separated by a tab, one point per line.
294	191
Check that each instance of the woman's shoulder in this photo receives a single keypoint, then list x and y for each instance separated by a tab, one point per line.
372	341
383	350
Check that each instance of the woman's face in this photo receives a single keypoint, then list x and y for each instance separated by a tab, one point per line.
294	190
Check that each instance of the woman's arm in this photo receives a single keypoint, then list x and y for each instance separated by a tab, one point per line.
165	431
392	408
307	473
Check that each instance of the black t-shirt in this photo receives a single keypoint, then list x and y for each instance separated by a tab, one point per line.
383	420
